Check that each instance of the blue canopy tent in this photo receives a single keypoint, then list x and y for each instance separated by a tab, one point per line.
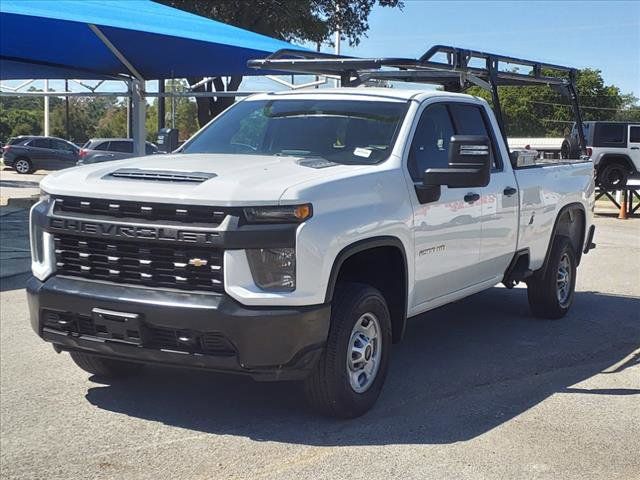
113	39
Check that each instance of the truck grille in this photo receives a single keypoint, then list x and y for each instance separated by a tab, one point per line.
188	214
176	266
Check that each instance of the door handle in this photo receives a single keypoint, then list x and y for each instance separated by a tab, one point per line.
471	197
635	148
509	191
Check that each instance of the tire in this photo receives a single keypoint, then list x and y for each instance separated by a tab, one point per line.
570	148
548	298
330	388
613	176
104	367
23	165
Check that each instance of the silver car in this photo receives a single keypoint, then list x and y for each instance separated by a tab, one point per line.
106	149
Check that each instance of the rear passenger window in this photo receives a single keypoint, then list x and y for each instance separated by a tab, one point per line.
469	120
40	143
611	133
121	146
101	146
430	145
634	134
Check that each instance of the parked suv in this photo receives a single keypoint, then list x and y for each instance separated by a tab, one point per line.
614	148
106	149
26	154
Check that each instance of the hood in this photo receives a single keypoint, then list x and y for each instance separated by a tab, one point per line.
207	179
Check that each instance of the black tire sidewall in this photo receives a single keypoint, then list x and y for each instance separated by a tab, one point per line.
543	297
372	302
606	171
23	159
328	388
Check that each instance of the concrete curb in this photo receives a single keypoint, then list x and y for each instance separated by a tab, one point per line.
21	202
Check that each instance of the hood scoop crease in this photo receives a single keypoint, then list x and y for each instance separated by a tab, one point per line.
161	175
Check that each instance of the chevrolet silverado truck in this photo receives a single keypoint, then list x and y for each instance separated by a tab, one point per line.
294	236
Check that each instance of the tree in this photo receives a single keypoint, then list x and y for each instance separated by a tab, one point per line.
291	20
539	111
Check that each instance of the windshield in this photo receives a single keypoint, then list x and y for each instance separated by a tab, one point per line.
348	132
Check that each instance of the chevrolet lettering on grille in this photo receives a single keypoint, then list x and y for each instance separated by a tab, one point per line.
114	230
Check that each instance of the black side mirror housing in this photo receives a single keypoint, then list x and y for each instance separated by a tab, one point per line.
469	164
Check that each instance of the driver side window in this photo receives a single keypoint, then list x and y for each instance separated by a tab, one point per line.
430	145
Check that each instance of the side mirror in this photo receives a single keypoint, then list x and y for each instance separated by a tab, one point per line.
469	164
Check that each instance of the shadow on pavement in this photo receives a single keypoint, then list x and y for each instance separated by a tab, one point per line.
18	184
14	282
461	371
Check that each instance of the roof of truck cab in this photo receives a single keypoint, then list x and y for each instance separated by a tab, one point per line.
362	92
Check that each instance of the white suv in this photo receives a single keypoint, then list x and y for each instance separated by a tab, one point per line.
614	148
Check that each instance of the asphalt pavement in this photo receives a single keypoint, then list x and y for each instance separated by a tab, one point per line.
478	389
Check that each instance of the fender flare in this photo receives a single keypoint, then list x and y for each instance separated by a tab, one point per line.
570	207
603	159
368	244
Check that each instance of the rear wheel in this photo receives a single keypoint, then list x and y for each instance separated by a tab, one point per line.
104	367
551	292
23	165
349	376
613	176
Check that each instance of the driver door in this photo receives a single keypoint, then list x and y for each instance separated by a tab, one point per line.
447	232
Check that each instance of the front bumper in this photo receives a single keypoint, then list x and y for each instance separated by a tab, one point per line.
276	343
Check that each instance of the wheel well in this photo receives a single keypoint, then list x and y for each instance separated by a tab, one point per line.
383	267
571	223
608	159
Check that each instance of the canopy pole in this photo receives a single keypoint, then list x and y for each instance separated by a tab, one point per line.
138	116
103	38
46	109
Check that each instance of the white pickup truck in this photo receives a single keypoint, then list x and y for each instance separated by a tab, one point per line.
292	238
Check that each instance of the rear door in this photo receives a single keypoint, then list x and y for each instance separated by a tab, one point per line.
119	149
64	155
634	145
40	153
499	199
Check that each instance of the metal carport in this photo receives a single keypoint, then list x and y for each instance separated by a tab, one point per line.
136	40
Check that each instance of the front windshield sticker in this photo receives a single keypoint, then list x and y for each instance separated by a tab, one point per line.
362	152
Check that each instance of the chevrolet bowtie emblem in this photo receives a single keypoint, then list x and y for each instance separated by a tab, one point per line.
198	262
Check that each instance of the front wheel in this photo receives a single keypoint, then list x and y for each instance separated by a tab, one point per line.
349	376
551	292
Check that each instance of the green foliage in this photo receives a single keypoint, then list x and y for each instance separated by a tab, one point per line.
540	111
291	20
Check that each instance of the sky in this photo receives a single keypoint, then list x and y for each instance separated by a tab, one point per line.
603	35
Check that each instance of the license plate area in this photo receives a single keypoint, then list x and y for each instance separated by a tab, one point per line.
118	326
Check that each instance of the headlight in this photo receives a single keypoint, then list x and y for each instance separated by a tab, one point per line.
273	269
44	196
278	214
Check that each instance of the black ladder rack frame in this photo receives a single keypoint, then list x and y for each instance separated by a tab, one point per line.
461	69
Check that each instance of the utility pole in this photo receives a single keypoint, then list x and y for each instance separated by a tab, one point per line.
337	52
46	108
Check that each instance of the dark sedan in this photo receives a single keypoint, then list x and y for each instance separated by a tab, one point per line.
26	154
